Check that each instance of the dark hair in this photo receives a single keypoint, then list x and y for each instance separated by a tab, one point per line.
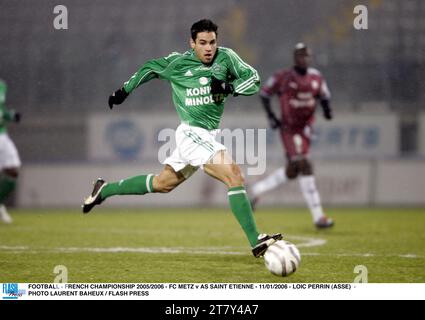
201	26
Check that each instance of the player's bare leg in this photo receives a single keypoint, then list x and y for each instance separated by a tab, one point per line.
165	182
224	169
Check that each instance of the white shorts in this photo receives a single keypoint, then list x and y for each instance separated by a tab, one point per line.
195	147
9	157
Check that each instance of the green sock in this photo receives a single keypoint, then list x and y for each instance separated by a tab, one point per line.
134	185
7	185
241	208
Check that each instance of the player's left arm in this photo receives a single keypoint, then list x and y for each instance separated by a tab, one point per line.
325	98
246	80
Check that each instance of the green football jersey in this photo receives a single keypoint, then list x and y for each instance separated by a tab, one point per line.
190	82
5	115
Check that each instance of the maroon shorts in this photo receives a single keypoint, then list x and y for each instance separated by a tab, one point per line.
296	142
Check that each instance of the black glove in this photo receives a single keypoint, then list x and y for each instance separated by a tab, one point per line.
327	111
17	117
117	97
220	86
274	122
219	89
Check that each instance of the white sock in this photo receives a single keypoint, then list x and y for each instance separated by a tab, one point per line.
311	196
269	183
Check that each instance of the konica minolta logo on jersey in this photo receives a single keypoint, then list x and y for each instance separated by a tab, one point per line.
198	96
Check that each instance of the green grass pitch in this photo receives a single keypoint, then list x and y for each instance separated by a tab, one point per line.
207	245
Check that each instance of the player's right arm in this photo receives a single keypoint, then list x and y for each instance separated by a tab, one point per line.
154	68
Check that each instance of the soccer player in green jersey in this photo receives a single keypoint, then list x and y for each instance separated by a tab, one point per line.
201	79
9	157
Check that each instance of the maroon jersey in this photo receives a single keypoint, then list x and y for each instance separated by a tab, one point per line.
298	95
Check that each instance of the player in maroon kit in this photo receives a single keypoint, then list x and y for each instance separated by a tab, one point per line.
299	89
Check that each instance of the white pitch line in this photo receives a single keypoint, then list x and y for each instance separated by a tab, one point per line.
227	250
308	241
410	256
13	248
186	250
206	250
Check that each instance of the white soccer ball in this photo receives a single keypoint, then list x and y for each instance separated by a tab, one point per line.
282	258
